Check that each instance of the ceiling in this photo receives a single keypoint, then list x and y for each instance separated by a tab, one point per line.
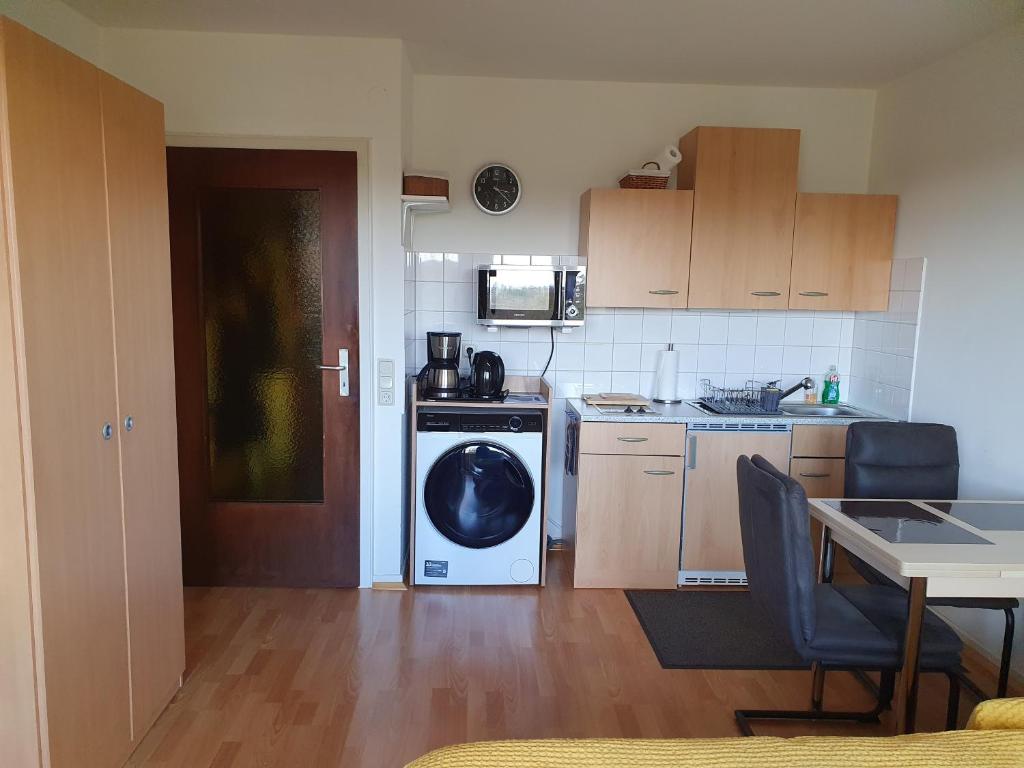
853	43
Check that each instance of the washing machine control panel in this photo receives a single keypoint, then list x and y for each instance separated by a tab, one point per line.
479	420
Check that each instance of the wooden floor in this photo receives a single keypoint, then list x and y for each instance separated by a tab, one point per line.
280	677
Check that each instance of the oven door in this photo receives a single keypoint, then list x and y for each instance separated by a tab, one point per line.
509	295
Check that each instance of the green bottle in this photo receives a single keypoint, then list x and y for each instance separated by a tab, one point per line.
830	387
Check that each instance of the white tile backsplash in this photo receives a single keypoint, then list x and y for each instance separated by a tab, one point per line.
617	349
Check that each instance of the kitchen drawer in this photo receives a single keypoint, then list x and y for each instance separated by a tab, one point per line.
633	439
825	441
821	478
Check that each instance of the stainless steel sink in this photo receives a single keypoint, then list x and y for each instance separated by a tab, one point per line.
802	409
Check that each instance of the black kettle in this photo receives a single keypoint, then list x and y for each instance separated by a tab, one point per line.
487	376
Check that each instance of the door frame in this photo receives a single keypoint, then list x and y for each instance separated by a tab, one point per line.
365	257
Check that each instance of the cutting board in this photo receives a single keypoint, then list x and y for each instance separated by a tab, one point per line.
615	398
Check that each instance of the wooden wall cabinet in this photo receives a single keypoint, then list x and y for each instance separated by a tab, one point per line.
842	251
87	290
628	507
637	246
745	184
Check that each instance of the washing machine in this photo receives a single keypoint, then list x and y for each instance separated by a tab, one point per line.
479	490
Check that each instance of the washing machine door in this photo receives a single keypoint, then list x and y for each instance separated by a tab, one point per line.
478	494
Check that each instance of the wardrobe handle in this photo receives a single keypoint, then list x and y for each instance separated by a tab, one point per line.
765	293
632	439
107	431
814	294
663	292
815	474
129	423
658	472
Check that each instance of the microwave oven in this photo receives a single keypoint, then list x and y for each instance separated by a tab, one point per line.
527	296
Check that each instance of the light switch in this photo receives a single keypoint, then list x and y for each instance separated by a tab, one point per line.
386	382
385	368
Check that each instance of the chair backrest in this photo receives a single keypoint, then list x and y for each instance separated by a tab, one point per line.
777	550
901	460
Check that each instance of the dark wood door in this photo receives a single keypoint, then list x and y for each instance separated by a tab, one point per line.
265	290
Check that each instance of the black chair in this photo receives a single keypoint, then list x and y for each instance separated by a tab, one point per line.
832	627
904	460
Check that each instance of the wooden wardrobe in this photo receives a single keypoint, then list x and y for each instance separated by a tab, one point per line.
91	619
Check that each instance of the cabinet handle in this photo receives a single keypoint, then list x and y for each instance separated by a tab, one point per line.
632	439
129	423
815	474
107	431
691	452
663	292
658	472
765	293
814	294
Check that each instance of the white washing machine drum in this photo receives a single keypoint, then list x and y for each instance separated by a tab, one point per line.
478	494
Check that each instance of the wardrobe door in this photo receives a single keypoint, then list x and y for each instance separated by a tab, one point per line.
133	128
61	276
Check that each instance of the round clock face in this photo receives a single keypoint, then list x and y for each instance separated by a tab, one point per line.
496	189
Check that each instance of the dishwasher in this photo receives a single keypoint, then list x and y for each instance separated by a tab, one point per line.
712	551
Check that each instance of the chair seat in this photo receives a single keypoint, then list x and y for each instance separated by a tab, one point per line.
886	609
864	627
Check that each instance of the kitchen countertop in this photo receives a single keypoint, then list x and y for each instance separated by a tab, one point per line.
684	413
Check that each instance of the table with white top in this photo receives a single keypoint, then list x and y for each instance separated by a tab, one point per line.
958	548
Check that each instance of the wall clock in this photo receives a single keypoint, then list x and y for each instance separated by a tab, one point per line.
496	189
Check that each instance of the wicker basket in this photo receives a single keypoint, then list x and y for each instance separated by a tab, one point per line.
646	178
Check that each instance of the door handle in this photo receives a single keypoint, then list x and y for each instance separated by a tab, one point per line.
691	452
815	474
663	292
658	472
765	293
814	294
632	439
342	369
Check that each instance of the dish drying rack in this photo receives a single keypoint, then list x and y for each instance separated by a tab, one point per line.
753	399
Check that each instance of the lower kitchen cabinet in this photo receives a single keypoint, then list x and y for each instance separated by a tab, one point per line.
819	465
627	521
623	496
712	550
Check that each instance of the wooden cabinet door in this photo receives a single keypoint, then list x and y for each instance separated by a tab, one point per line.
744	182
61	275
637	245
627	521
821	478
133	126
711	520
842	251
823	441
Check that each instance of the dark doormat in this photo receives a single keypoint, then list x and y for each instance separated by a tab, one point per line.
711	630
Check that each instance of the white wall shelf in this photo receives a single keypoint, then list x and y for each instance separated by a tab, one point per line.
417	204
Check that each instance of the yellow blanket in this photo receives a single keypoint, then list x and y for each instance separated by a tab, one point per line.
994	739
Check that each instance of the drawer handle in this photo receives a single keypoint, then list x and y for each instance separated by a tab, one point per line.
765	293
632	439
814	294
663	292
815	474
691	452
658	472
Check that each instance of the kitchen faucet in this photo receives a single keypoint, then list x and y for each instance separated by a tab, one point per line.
806	383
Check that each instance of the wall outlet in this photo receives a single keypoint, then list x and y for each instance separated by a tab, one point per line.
386	397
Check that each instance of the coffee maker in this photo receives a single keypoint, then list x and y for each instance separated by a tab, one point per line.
439	379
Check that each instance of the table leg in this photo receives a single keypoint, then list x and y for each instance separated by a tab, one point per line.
906	691
826	556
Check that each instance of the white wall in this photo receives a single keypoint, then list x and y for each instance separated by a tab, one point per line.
564	137
283	86
57	22
949	140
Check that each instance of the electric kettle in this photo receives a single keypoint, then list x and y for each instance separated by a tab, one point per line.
487	376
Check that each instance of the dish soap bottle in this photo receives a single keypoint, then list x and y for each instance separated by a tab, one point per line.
830	387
